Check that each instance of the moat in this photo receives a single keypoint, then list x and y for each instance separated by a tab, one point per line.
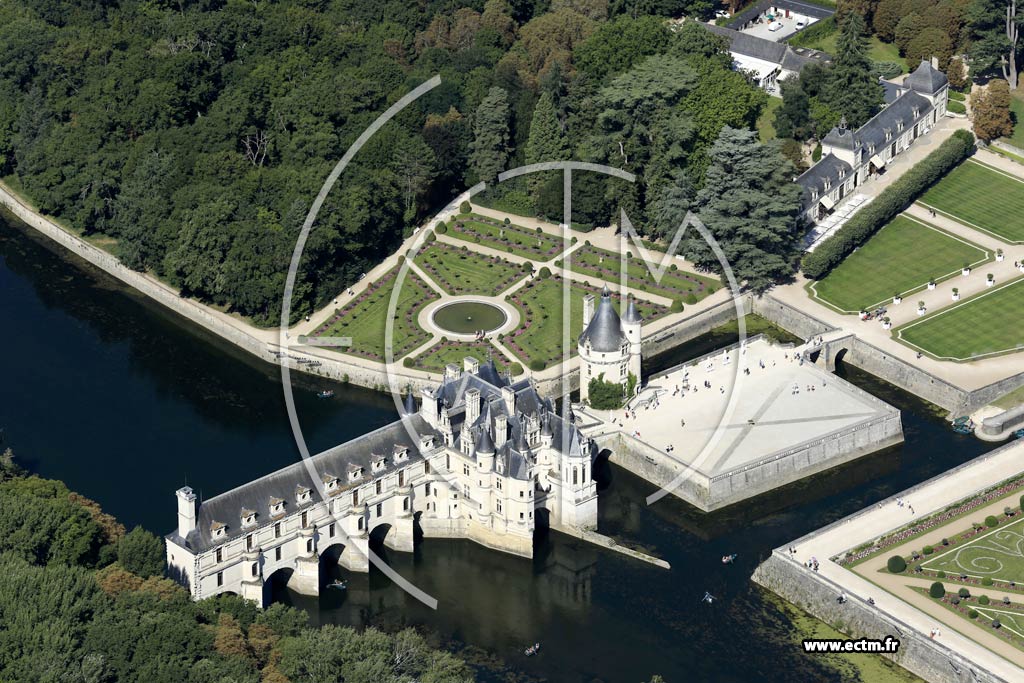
81	349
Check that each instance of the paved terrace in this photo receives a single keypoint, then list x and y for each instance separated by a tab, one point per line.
978	475
780	404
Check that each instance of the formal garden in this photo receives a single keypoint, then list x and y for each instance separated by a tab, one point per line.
675	284
364	318
999	614
435	358
460	270
902	257
538	339
987	324
982	197
504	236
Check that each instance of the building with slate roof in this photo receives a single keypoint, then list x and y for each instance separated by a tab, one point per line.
483	459
767	61
609	346
851	157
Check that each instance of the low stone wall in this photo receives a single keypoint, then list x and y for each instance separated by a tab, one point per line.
788	318
812	592
693	326
1003	422
904	375
985	395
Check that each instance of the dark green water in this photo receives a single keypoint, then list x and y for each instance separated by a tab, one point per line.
468	317
125	403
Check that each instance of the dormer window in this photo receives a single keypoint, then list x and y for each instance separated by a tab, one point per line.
917	111
427	442
276	506
218	529
899	125
842	172
401	453
248	517
377	463
303	494
888	134
355	472
871	148
828	183
814	194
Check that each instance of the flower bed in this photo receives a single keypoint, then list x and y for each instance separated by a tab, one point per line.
675	284
964	607
459	270
510	238
938	519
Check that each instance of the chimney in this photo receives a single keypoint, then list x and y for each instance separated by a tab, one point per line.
588	309
509	396
471	365
500	430
186	511
935	62
472	405
452	372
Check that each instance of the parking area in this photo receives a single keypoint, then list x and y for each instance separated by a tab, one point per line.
777	27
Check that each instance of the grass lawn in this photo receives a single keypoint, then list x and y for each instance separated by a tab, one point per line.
675	284
364	318
458	270
444	352
1010	400
987	324
538	339
996	554
1017	111
766	121
901	257
982	197
877	50
511	238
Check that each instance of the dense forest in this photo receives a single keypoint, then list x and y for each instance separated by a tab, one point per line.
84	602
191	136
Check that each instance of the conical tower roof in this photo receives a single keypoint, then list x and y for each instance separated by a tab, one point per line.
604	332
410	404
632	314
484	442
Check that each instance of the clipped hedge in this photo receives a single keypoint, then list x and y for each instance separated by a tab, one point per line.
896	565
887	205
937	590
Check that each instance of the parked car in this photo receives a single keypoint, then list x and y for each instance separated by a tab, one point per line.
800	23
721	14
775	26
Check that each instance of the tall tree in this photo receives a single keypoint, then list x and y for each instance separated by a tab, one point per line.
990	109
853	89
546	141
993	27
751	206
490	149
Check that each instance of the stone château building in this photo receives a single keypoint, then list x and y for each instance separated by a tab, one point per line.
850	157
609	345
483	458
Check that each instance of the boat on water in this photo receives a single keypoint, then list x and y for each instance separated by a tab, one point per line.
728	559
326	393
1019	434
339	584
963	425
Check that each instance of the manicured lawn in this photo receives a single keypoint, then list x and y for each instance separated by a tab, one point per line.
1017	110
1010	400
981	197
877	50
994	554
364	318
901	257
458	270
675	284
511	238
984	325
538	339
766	121
444	352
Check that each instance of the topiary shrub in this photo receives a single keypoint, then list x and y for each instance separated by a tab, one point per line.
408	362
816	154
537	365
928	550
964	593
941	574
430	237
986	581
507	221
544	272
465	207
888	204
983	600
516	369
677	306
937	590
896	564
972	614
954	600
441	228
991	522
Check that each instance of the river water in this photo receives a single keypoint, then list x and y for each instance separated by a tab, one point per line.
125	403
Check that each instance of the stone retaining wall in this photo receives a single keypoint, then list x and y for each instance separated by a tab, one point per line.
788	318
1003	422
919	654
693	326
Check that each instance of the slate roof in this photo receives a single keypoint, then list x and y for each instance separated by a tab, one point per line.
814	177
926	78
513	457
791	59
604	332
632	314
891	91
805	8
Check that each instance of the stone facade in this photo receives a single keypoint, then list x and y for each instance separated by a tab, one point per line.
481	459
609	346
